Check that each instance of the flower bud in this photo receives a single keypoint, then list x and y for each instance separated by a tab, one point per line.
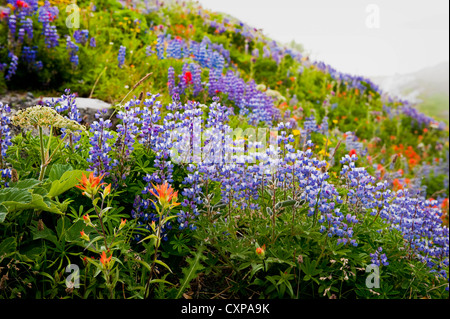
261	251
122	223
84	236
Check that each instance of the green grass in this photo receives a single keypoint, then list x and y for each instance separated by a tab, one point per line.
436	105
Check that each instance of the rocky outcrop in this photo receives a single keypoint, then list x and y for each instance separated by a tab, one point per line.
87	107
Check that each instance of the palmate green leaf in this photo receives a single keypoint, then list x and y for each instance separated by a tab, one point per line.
25	184
10	196
11	199
38	202
58	170
67	181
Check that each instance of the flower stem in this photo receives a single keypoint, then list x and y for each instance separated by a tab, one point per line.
43	166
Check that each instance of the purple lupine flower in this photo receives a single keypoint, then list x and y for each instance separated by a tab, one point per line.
12	24
12	66
29	54
174	49
92	42
171	81
51	36
27	26
38	65
149	51
73	49
197	79
128	133
160	49
379	259
121	57
81	36
101	139
5	142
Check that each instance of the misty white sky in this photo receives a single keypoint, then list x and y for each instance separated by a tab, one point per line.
411	34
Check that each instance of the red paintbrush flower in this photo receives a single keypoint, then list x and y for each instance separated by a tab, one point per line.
187	77
106	261
21	4
90	185
166	195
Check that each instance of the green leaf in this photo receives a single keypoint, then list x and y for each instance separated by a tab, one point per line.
11	199
286	203
149	237
33	253
10	196
67	181
38	202
163	264
46	233
191	271
160	281
25	184
3	213
8	246
58	171
73	233
62	223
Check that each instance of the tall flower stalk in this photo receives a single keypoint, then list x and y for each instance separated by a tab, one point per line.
167	200
40	117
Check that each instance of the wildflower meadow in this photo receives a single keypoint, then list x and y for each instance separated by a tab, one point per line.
227	166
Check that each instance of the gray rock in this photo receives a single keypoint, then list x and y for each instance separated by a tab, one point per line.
87	107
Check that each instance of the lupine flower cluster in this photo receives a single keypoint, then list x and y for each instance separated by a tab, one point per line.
310	125
418	221
426	238
20	26
378	259
207	54
5	142
26	28
92	42
174	48
149	51
128	132
121	57
224	160
66	105
81	36
29	54
99	153
48	13
12	66
160	46
352	143
420	118
72	48
12	24
190	77
251	101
